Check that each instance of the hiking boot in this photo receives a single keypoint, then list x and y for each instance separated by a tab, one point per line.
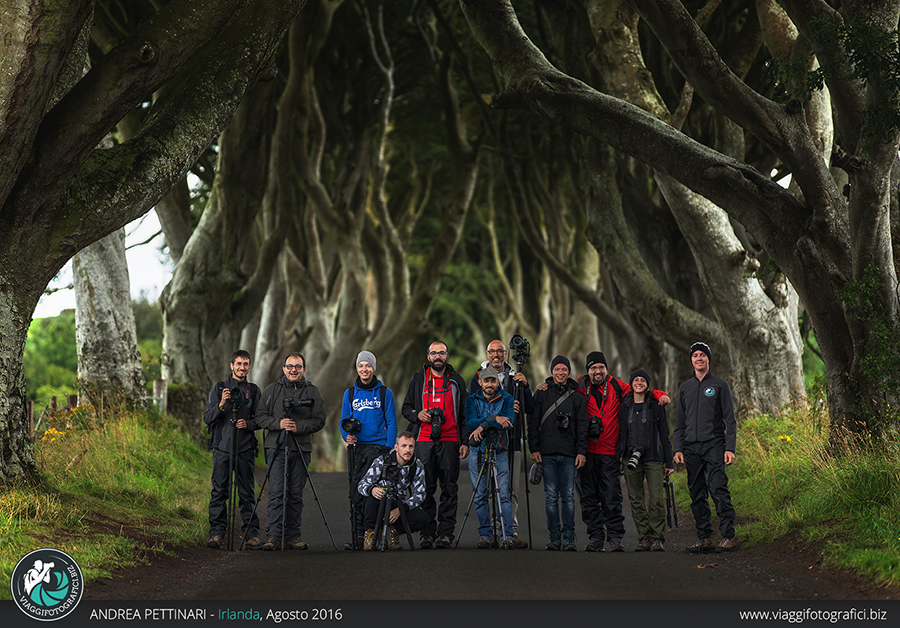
615	545
426	542
700	547
443	542
369	540
484	543
594	545
507	543
253	543
518	543
568	541
296	544
554	543
726	545
657	546
394	539
215	541
271	544
643	545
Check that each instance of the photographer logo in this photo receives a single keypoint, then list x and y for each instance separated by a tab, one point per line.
710	392
47	584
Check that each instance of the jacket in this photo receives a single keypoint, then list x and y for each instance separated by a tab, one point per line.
507	384
219	421
705	412
410	484
412	403
548	438
480	411
650	430
604	401
308	419
379	425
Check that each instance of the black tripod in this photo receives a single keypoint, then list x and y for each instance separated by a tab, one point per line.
671	509
519	396
489	468
232	478
355	542
385	506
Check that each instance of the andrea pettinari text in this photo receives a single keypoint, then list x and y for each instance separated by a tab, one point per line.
227	614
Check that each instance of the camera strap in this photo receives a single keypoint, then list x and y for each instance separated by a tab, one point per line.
551	409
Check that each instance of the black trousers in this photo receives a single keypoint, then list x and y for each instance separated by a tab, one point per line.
705	464
441	461
221	487
600	493
416	516
364	455
280	511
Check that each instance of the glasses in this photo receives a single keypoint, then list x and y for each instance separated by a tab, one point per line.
496	351
293	367
437	353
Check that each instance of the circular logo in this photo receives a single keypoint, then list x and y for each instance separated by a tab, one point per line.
47	584
709	392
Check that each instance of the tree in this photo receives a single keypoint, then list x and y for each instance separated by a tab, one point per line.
824	243
59	192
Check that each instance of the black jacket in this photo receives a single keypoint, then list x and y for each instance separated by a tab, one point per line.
650	429
219	421
308	419
705	412
547	438
412	404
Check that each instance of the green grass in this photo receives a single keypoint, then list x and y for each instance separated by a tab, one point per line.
110	493
841	501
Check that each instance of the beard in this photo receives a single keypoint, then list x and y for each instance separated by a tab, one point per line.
437	364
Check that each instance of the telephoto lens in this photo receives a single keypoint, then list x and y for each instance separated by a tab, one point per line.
636	452
351	425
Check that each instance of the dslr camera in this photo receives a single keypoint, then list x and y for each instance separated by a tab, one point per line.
437	421
290	403
351	425
390	476
636	452
562	420
520	349
595	427
237	396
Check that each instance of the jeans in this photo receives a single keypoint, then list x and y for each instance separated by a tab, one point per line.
482	494
559	484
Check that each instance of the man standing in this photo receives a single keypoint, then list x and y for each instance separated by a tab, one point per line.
229	414
408	480
371	403
489	408
496	359
557	438
599	488
434	405
292	411
704	441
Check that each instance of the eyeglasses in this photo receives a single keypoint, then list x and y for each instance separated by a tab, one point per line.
294	367
496	351
437	353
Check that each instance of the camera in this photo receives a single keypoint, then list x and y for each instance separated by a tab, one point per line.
636	452
290	403
390	476
437	420
491	433
520	349
595	428
562	420
351	425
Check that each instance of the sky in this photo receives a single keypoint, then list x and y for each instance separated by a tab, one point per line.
149	269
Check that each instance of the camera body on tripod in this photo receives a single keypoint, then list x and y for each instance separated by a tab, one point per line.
390	480
520	349
289	403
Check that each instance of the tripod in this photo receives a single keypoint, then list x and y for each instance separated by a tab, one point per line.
671	509
384	519
489	469
232	487
519	396
354	503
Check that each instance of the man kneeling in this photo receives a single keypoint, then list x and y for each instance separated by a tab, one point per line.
402	476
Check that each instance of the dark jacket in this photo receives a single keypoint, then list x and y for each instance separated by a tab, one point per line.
547	438
480	413
219	421
705	412
412	404
507	384
308	419
650	429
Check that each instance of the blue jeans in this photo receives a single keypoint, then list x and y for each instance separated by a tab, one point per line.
482	493
559	484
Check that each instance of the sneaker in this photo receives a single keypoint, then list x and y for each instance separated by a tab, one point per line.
443	542
726	545
270	545
215	541
394	539
426	542
657	546
568	541
518	543
700	547
643	545
594	545
555	542
253	543
369	540
507	543
615	545
296	544
484	543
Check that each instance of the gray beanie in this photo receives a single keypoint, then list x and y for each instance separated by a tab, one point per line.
366	356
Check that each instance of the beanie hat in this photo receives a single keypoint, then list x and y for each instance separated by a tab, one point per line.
595	357
701	346
639	373
561	359
366	356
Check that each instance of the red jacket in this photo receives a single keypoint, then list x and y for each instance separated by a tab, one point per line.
607	410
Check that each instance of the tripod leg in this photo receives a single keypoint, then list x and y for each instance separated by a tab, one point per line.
232	491
315	493
384	517
256	506
406	529
284	495
499	500
471	501
351	471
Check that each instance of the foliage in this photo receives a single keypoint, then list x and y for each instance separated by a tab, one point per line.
51	360
108	493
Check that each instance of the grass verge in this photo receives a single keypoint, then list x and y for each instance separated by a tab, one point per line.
108	493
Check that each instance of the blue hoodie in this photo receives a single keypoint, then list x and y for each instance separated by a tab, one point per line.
378	428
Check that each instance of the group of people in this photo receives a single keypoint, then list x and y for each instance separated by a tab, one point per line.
579	432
